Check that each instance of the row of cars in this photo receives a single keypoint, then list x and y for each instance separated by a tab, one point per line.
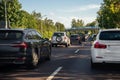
105	45
27	46
61	38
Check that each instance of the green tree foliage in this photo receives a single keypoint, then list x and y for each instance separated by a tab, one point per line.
109	14
12	8
91	24
77	23
22	19
59	26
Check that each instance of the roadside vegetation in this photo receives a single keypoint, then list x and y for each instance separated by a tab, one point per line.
108	17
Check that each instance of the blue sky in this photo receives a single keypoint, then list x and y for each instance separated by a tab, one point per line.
64	10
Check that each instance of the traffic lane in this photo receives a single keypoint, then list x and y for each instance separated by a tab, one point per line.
43	70
68	60
77	67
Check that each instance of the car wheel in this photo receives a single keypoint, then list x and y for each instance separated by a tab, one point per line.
52	45
66	45
94	65
34	60
48	56
55	45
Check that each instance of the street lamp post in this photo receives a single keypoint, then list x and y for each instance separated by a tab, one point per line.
41	24
6	23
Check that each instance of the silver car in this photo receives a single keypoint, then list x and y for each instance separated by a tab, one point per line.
60	38
106	47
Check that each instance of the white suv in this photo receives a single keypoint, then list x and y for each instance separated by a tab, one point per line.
60	38
106	47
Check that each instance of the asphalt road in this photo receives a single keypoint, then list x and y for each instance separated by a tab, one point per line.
72	63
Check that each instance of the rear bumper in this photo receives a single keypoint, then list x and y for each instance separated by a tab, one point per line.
12	60
102	60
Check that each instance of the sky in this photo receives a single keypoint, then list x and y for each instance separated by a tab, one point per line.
64	11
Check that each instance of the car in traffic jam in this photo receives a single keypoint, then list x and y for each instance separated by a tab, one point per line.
23	46
106	47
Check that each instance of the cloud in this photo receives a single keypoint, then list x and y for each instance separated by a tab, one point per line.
52	14
67	20
74	13
81	8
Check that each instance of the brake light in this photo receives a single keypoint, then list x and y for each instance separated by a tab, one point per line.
22	45
98	45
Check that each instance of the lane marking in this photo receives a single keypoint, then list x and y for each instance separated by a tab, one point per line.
54	73
77	51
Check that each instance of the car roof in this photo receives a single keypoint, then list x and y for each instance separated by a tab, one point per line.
110	30
74	34
59	32
17	29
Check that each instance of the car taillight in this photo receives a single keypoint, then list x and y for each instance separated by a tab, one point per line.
21	45
98	45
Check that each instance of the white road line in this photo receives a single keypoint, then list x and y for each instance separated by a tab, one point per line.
77	51
54	73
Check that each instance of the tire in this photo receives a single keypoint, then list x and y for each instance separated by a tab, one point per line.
34	60
52	45
94	65
49	55
66	45
55	45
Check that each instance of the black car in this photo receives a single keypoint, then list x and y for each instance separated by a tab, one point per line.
75	38
23	46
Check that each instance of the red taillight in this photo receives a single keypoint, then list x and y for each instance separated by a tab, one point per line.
22	45
98	45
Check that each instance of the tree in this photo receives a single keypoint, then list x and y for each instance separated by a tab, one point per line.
60	26
77	23
22	19
109	14
12	8
91	24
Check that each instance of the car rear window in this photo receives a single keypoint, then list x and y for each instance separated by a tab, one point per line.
110	35
10	35
74	36
58	34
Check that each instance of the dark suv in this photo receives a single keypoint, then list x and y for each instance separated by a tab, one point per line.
18	46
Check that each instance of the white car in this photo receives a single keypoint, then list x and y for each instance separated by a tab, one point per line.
60	38
106	47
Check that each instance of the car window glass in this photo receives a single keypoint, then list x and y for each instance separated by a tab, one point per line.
34	35
58	34
110	35
10	35
38	35
29	35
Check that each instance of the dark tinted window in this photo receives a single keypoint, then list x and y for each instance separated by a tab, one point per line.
110	35
10	35
29	35
58	34
38	35
74	36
